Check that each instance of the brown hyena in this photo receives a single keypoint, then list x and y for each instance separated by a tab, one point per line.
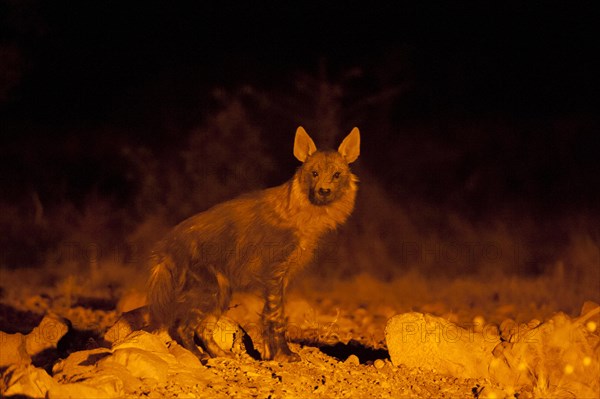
258	240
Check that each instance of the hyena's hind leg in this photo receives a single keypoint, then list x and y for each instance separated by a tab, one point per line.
208	322
201	326
209	298
184	333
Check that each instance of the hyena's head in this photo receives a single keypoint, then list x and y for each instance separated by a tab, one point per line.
325	175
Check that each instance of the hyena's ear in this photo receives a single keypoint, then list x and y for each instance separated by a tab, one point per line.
350	147
303	145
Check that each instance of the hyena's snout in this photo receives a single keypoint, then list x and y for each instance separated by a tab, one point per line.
324	192
321	195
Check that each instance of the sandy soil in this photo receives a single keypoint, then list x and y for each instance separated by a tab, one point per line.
336	326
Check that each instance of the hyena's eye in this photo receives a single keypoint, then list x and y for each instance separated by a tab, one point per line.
315	173
336	175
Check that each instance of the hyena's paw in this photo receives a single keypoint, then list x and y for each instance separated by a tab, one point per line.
215	351
288	357
206	355
204	358
281	353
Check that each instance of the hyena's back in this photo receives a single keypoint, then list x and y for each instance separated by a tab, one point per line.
232	245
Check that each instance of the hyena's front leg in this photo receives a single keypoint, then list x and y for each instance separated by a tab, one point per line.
274	325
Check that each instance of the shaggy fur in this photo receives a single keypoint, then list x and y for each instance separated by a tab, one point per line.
258	240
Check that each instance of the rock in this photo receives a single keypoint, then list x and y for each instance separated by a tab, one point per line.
79	363
13	349
142	340
379	364
142	359
26	381
229	336
508	328
185	357
46	335
80	390
353	360
479	323
421	340
92	368
19	349
131	321
141	363
137	364
109	383
114	376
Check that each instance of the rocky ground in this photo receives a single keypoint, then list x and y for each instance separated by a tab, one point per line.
54	341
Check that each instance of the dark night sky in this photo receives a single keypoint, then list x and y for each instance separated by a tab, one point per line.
81	58
122	64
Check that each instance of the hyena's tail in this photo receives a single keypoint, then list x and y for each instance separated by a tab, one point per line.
162	294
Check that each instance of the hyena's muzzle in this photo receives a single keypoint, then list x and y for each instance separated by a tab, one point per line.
320	195
325	191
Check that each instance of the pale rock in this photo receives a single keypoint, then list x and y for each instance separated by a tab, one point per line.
78	363
142	364
106	366
78	391
13	349
422	340
184	357
229	335
142	340
86	373
111	384
353	360
27	381
46	335
379	364
18	349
